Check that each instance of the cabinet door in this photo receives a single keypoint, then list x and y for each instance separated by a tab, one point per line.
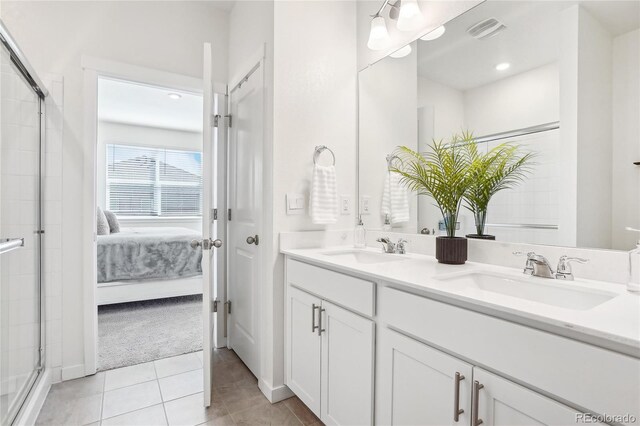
303	347
502	402
418	385
347	367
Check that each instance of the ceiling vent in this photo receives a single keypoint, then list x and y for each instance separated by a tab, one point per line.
486	29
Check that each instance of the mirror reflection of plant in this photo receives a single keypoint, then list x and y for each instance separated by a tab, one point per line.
503	167
441	173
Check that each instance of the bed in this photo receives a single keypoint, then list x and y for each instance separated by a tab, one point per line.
148	263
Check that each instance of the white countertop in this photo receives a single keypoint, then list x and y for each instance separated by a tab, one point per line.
614	324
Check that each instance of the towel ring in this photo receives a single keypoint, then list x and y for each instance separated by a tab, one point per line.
319	150
390	159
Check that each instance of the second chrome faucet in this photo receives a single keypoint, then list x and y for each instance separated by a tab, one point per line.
538	266
390	247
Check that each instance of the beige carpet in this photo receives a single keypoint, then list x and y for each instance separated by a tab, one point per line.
137	332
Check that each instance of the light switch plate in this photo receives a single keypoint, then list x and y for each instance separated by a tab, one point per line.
296	203
365	205
345	205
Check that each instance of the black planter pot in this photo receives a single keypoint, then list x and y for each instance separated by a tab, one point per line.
481	237
451	250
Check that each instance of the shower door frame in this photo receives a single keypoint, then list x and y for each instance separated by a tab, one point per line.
25	69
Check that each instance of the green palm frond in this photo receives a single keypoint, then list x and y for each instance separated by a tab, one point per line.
503	167
441	173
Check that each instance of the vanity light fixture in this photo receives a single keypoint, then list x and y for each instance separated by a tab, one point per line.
434	34
503	66
402	52
410	16
175	96
378	35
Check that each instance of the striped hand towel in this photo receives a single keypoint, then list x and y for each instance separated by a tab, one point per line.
395	199
323	203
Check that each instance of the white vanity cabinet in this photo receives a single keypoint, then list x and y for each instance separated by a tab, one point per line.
329	348
501	402
419	385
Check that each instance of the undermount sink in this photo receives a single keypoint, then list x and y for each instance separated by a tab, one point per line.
363	256
568	295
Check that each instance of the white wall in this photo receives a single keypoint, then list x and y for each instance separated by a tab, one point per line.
387	118
523	100
315	77
625	191
594	133
127	134
166	36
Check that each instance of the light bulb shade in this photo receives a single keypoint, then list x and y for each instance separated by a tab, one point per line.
378	36
434	34
410	16
402	52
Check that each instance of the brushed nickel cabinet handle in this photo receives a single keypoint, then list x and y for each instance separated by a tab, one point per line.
456	397
313	317
476	421
320	329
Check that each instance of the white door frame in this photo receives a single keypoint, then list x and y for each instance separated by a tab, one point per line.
94	68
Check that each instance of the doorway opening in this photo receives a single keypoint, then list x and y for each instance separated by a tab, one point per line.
149	207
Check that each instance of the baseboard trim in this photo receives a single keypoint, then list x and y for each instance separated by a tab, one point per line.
73	372
277	394
29	413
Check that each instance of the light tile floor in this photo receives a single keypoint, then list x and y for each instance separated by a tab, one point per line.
169	392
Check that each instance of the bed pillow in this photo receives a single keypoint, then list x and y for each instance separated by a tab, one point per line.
112	219
101	223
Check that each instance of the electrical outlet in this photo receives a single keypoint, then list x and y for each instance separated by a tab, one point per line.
365	205
345	205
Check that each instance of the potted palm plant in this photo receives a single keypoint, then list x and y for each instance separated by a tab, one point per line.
503	167
442	174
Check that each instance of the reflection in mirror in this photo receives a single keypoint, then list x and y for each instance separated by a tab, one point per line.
511	72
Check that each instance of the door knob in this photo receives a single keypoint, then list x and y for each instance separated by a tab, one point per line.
206	244
253	240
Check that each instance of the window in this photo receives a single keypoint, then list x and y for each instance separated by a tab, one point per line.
143	181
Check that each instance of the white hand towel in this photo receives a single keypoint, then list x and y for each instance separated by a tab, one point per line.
323	203
395	199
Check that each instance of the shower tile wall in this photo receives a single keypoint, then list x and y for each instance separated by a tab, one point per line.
534	201
52	195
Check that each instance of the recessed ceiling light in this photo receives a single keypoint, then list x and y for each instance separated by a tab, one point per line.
503	66
432	35
402	52
174	95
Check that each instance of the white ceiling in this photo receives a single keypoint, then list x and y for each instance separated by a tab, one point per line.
530	40
133	103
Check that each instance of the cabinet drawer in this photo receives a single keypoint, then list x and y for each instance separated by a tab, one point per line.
350	292
586	376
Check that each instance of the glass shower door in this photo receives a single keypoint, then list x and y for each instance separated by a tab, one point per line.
20	235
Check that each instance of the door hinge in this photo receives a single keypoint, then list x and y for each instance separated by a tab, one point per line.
214	306
229	215
216	120
228	303
229	120
214	215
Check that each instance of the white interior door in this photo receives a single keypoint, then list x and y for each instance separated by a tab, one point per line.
210	244
244	218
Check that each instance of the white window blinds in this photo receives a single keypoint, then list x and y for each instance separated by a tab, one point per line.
143	181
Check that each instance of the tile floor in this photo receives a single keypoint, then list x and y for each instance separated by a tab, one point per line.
169	392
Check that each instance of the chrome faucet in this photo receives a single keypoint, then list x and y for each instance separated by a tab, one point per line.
400	246
541	266
538	266
564	267
387	245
